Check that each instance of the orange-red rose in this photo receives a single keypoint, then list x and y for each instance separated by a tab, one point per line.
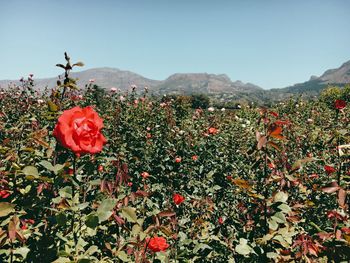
157	244
178	199
79	129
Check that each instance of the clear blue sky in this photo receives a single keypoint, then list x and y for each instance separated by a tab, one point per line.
271	43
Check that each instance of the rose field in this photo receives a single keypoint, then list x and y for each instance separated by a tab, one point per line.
99	175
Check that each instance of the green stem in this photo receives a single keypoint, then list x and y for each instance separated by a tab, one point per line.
73	203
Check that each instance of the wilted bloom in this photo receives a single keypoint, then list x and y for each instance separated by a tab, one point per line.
40	101
336	215
340	104
178	199
212	130
144	175
157	244
329	169
211	109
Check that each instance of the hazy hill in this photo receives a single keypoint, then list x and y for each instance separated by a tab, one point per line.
176	84
338	76
104	77
189	83
219	86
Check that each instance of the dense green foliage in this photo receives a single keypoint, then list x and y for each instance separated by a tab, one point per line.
256	181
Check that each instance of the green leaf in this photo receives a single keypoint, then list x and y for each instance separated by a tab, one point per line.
135	230
6	208
47	165
243	248
129	214
61	219
23	251
279	218
200	246
91	250
284	208
66	192
52	106
104	211
273	224
280	197
62	260
123	256
30	171
92	221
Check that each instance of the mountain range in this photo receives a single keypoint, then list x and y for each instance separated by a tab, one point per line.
190	83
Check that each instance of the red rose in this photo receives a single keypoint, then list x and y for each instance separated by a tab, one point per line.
194	157
178	159
157	244
178	199
80	130
339	104
4	194
220	220
329	169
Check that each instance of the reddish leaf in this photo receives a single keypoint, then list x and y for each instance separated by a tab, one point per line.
262	142
275	130
333	187
274	145
241	183
341	197
167	213
338	234
258	136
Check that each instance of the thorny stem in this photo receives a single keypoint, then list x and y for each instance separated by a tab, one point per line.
265	180
73	196
338	153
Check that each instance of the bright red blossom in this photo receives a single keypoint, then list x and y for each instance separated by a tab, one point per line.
340	104
178	159
178	199
4	194
157	244
79	129
329	169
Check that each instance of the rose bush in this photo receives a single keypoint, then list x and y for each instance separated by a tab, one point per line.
259	190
